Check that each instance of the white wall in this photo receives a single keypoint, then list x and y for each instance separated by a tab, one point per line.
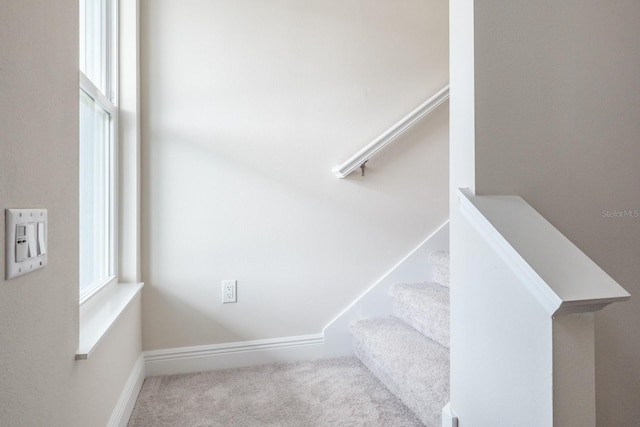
42	384
556	114
462	175
246	108
462	100
487	328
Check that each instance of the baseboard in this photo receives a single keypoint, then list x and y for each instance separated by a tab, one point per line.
233	355
448	417
122	412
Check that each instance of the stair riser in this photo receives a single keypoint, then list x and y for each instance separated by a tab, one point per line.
433	324
440	267
429	416
424	307
441	276
410	365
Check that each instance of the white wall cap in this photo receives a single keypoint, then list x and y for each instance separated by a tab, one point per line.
560	275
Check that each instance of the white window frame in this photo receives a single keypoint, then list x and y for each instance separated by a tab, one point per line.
107	100
100	310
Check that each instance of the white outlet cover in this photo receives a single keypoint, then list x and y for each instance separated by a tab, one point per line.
229	289
34	220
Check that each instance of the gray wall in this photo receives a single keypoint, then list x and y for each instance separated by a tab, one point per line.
557	110
41	383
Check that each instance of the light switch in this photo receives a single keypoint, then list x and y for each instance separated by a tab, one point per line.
42	243
31	240
26	241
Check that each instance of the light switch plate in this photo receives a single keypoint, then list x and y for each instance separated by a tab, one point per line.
25	241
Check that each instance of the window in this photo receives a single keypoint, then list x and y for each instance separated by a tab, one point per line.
108	287
98	144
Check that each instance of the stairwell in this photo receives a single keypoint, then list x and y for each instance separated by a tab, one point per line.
409	351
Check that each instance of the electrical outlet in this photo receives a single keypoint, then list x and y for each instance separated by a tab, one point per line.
229	288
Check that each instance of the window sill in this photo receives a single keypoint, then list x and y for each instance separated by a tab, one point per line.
99	314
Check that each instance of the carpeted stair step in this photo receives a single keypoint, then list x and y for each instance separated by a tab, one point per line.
440	262
424	307
412	366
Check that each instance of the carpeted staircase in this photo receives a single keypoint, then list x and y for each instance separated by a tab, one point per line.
409	351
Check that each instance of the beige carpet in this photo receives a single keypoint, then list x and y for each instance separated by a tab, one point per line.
335	392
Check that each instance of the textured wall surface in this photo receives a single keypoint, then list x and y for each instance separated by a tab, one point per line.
41	383
246	107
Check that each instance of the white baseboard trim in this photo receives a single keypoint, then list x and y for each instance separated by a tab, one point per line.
233	355
448	417
122	412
